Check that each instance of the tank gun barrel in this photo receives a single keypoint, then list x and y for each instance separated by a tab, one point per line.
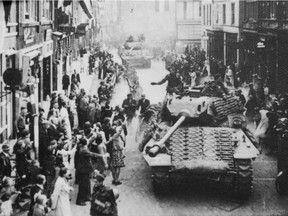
155	150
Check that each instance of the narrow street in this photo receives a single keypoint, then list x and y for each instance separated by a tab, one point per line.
50	54
136	193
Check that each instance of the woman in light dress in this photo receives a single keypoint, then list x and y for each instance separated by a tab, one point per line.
60	197
64	118
229	77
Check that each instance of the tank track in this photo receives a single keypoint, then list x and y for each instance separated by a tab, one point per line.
243	181
161	179
147	127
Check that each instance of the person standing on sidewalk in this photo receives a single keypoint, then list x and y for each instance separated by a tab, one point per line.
82	108
5	164
65	83
76	76
60	197
84	169
143	104
20	123
129	105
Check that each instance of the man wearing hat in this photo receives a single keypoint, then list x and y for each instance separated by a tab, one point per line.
5	165
129	105
20	123
103	200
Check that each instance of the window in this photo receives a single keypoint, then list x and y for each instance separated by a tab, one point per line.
189	10
209	15
233	13
200	8
27	9
180	10
217	14
251	10
166	5
47	9
204	14
157	5
185	10
224	14
282	10
31	10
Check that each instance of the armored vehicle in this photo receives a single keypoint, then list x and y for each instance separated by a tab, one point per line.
198	134
135	54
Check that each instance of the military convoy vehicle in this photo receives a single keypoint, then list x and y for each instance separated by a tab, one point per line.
135	54
198	134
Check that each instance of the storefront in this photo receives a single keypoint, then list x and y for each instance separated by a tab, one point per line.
259	56
31	59
215	44
231	48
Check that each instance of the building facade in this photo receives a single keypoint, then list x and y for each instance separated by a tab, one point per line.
155	19
9	58
252	34
40	39
188	21
264	38
221	27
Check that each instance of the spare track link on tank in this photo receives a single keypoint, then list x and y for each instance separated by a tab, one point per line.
202	143
243	182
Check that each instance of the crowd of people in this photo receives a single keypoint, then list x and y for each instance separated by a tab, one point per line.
269	115
79	134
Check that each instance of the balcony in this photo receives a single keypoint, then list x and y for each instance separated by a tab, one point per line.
273	24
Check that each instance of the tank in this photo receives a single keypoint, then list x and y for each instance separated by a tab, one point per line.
135	54
198	134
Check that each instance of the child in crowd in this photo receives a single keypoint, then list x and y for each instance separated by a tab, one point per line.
40	208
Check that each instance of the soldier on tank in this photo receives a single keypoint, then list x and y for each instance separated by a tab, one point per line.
175	83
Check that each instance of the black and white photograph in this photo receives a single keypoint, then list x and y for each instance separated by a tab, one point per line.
143	108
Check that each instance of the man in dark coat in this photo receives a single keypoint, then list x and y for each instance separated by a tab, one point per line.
65	83
22	149
76	76
84	169
82	109
44	140
129	105
5	164
20	123
143	103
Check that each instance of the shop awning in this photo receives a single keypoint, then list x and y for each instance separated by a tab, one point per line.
57	34
82	29
87	8
32	54
10	52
